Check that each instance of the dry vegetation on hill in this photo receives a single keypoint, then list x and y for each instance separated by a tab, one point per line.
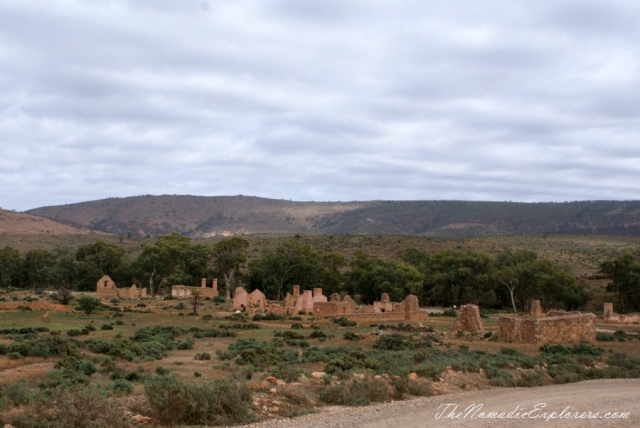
202	217
14	223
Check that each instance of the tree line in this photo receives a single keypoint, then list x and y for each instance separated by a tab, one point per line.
449	277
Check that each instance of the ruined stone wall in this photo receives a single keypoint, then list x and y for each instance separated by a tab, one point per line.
468	319
574	328
105	287
184	292
610	317
240	298
373	317
536	308
567	329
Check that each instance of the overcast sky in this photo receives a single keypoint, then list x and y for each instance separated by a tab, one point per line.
319	99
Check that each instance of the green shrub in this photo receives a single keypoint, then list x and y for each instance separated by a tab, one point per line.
268	317
605	337
106	327
17	394
287	372
216	402
122	386
200	333
75	407
162	371
120	322
297	326
344	322
203	356
349	335
355	359
46	347
357	393
186	344
394	342
258	354
317	334
88	304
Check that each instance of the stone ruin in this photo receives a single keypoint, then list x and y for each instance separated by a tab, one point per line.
610	317
105	287
536	308
296	302
335	307
249	302
184	292
314	302
468	319
555	327
383	310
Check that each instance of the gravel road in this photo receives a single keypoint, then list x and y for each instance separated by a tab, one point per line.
621	395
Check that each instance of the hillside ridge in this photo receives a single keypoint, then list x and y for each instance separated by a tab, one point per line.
208	216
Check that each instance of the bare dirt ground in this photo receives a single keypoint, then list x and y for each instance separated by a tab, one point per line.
602	396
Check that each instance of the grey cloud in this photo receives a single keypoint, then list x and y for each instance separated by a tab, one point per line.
321	100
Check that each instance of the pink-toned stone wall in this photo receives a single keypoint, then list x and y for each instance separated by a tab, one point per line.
573	328
610	317
105	287
536	308
468	319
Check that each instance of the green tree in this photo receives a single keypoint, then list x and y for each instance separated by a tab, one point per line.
88	304
10	267
229	254
292	263
195	300
460	277
370	277
173	260
38	267
624	275
98	259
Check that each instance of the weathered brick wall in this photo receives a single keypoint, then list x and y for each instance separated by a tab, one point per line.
574	328
468	319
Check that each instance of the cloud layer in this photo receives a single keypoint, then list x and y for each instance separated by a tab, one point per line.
319	99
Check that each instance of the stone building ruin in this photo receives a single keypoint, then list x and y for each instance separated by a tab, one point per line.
314	302
382	310
610	317
185	292
555	327
105	287
468	319
249	302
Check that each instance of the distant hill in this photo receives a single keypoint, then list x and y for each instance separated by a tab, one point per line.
13	223
203	217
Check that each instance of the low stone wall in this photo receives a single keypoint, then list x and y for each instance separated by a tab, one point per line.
184	292
611	317
574	328
374	317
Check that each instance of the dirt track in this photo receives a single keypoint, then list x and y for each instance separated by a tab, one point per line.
592	396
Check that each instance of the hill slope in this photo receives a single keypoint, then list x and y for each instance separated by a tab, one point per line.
203	217
13	223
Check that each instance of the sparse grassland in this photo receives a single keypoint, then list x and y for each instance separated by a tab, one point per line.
152	358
